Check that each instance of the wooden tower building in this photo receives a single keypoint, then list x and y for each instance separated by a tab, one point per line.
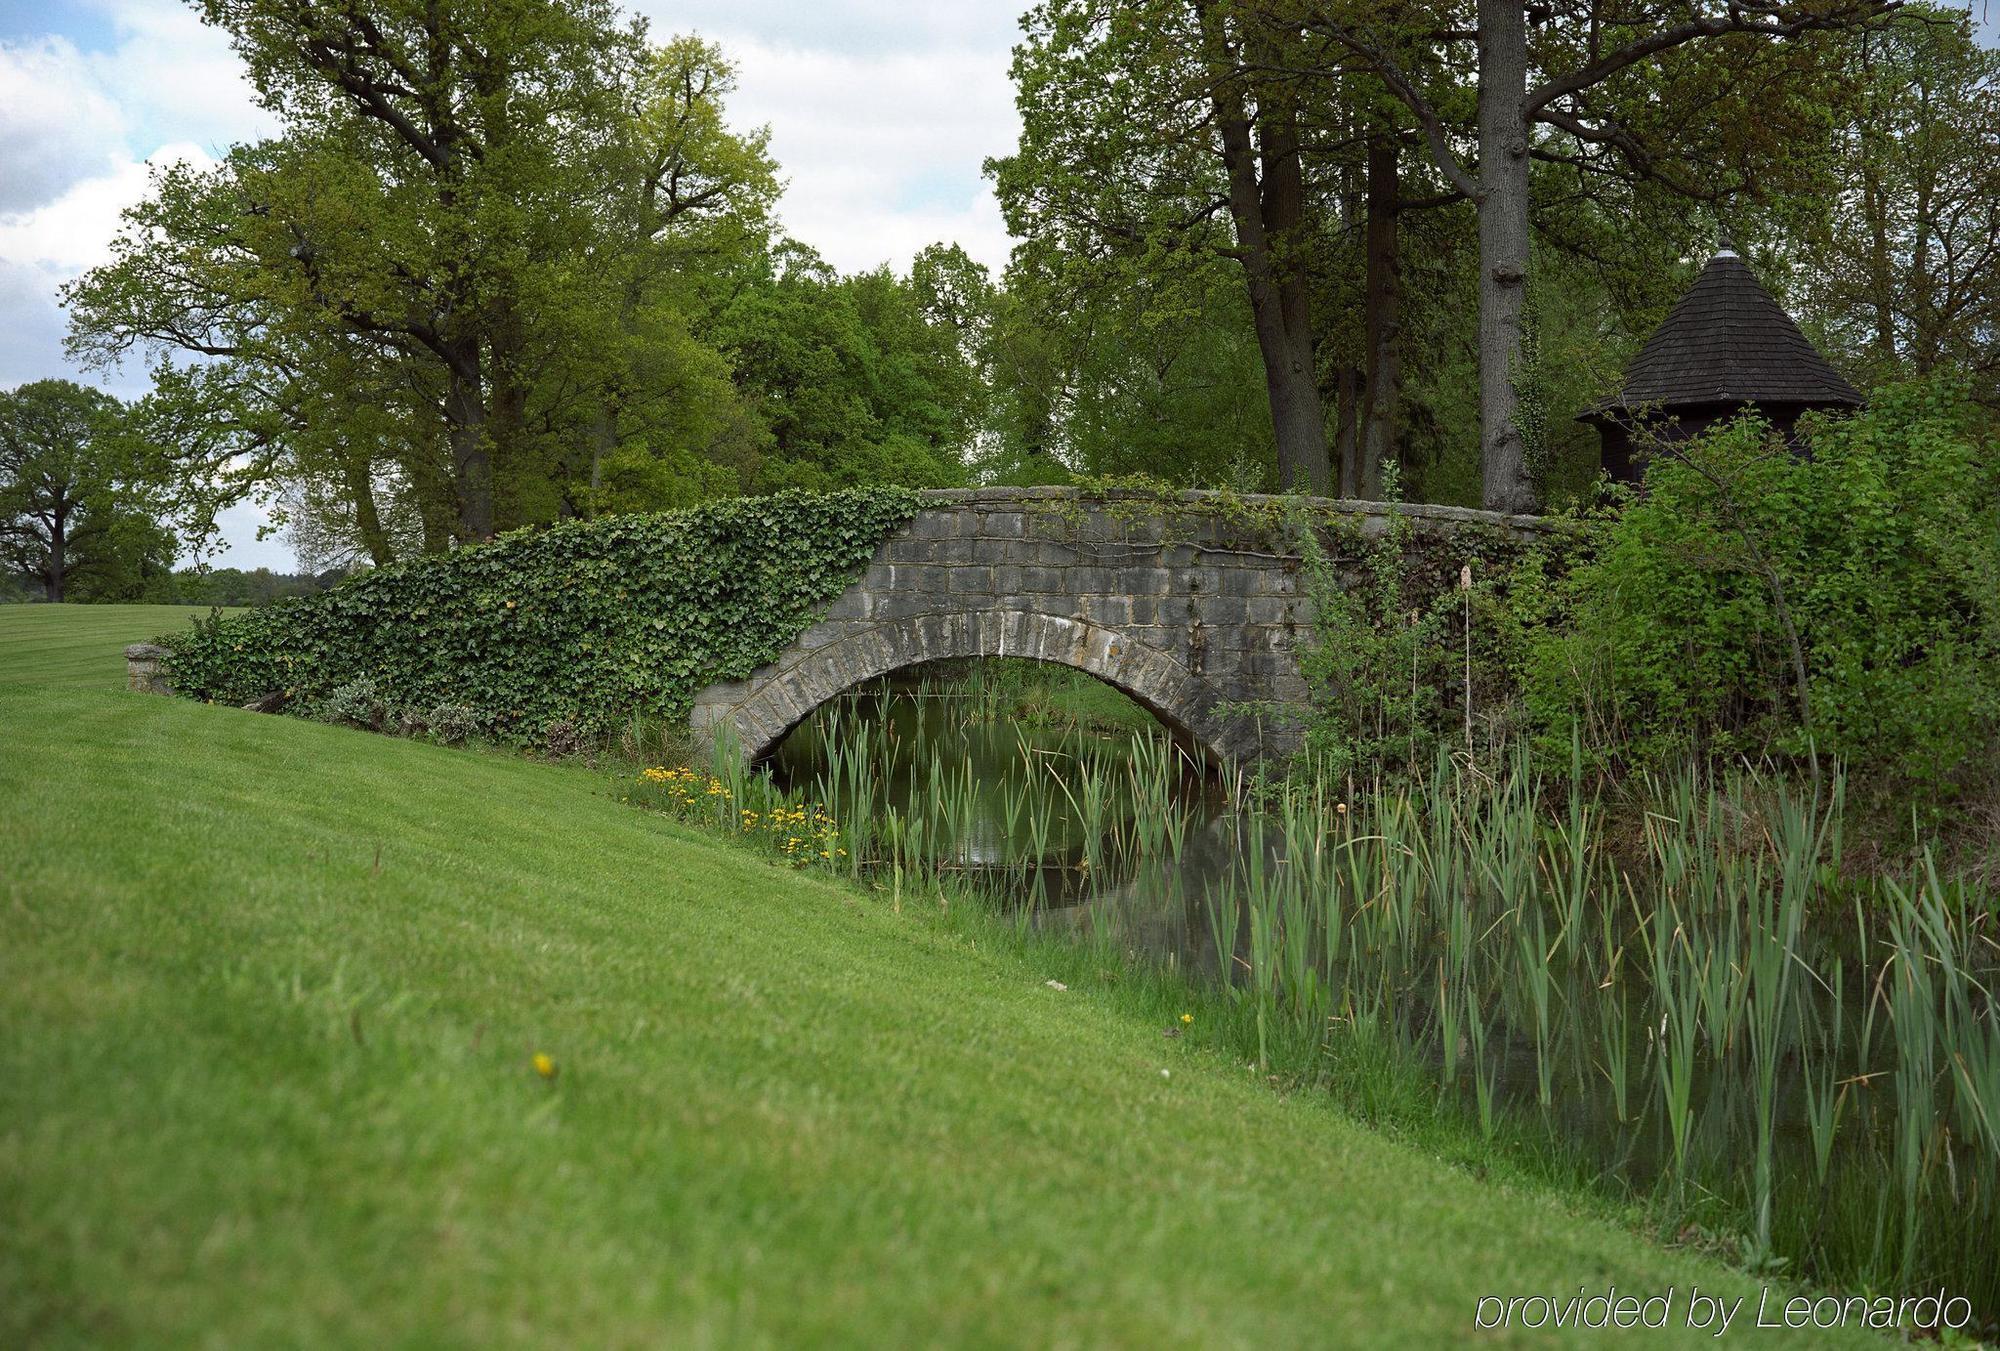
1725	346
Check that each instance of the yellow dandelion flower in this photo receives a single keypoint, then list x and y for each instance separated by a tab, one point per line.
1186	1018
544	1064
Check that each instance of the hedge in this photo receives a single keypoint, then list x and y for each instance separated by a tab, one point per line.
585	623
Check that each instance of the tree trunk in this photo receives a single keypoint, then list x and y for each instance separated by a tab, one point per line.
1267	216
1283	206
1923	305
507	415
1383	322
1881	277
603	440
471	455
367	519
1503	251
53	579
506	433
1348	394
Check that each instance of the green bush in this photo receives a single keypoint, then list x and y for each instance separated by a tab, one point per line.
1873	568
583	623
356	704
450	724
1415	640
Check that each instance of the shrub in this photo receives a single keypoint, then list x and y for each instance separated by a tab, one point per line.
356	704
1753	602
451	724
1405	659
589	621
566	737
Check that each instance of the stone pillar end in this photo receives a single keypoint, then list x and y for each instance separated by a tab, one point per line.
146	669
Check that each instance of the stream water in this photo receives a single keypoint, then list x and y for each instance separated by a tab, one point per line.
1005	770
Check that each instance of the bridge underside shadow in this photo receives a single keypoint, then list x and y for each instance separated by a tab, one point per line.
757	714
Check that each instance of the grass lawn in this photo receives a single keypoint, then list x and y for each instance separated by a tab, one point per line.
269	993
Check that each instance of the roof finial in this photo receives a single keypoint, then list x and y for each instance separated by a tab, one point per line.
1725	247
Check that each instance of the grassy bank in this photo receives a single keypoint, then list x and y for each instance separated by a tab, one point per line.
270	994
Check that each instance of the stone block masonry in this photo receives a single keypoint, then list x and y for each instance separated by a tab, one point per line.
146	669
1192	606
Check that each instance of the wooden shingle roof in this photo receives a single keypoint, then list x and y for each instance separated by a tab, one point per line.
1727	341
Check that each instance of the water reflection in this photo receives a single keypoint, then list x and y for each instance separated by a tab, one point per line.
1016	822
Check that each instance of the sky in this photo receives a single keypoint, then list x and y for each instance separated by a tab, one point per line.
881	113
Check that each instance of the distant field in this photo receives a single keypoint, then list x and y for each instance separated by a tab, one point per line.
268	996
80	645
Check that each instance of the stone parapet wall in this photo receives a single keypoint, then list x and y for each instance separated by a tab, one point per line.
1190	604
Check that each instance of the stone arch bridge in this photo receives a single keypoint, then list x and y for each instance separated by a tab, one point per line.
1193	605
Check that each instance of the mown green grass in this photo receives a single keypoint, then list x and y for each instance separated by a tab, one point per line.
268	997
1098	706
80	645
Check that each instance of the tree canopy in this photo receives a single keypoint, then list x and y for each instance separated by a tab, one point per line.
509	262
78	504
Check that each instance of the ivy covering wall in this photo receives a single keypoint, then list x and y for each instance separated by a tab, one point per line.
583	624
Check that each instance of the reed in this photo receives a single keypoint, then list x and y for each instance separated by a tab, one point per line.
1666	986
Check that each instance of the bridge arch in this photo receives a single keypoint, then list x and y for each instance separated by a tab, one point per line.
758	713
1191	603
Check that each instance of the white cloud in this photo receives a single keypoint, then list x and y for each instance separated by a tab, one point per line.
31	327
237	528
74	232
78	131
176	78
56	125
42	248
881	153
854	26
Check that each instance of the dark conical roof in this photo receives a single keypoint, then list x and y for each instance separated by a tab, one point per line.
1728	342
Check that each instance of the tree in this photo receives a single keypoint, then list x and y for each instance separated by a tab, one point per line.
453	135
1577	88
1905	268
465	284
1149	141
72	494
1104	382
691	216
863	379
